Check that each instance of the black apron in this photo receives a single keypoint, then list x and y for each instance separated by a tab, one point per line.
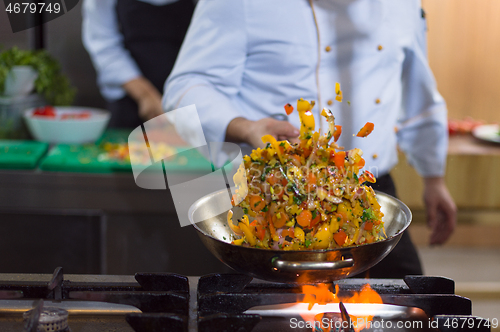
403	259
153	35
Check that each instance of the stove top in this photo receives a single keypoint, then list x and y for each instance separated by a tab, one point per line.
229	302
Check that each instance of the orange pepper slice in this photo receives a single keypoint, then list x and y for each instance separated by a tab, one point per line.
366	130
339	159
340	237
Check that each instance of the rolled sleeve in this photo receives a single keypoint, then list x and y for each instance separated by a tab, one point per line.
102	39
422	134
209	68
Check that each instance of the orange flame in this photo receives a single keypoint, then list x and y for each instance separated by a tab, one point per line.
323	294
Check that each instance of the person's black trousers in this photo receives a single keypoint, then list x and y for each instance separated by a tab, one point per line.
403	259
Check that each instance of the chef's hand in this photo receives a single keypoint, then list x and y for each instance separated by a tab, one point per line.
441	210
146	96
251	132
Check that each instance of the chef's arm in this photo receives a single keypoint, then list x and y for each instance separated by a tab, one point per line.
251	132
146	96
423	136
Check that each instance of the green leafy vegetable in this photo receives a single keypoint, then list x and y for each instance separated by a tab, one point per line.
51	83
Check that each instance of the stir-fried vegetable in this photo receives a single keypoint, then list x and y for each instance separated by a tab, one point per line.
310	195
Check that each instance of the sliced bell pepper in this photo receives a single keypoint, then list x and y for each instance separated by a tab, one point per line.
337	133
340	237
288	109
339	159
366	130
274	143
307	123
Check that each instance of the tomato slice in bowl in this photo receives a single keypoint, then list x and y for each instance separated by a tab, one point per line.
47	111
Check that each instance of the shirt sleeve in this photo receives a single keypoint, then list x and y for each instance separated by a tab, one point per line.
209	68
422	134
102	38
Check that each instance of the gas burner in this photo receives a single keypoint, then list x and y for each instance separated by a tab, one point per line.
230	302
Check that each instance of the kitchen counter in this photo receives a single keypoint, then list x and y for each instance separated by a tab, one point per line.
472	175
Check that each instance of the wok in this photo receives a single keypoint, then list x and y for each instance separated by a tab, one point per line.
296	266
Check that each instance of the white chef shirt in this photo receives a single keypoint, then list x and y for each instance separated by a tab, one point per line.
248	58
104	42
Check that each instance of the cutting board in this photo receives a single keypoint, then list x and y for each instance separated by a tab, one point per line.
21	154
92	158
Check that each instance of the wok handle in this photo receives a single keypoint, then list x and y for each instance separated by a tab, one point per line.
302	266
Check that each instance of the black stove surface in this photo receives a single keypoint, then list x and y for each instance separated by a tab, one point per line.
219	302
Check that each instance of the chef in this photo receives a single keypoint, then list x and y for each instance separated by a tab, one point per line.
243	60
133	45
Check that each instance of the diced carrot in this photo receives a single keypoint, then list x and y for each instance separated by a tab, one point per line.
304	218
366	130
369	226
311	180
257	203
281	221
288	109
340	237
339	159
272	179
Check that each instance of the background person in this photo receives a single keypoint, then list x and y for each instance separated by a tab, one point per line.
243	60
133	45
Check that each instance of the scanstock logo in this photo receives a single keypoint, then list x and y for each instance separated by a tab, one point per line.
216	172
25	14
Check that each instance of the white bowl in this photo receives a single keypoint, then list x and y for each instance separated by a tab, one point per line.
20	81
70	131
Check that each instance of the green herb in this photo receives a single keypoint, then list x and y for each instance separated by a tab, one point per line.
314	214
50	83
307	243
255	205
245	210
265	209
324	159
356	177
329	135
280	246
282	144
297	200
268	145
264	173
368	214
308	136
224	238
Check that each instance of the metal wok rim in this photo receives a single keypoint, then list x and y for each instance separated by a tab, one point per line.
405	209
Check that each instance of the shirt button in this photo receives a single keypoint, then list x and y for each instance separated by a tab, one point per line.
330	102
377	101
379	47
328	48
